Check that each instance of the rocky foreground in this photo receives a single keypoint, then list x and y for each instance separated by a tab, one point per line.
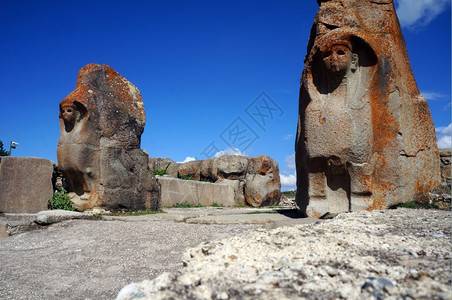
390	254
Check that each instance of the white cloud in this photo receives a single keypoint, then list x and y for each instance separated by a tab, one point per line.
288	181
444	136
230	151
432	95
287	137
187	159
290	161
414	13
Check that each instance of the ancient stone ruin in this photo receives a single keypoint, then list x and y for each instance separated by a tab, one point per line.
365	137
101	123
255	180
25	184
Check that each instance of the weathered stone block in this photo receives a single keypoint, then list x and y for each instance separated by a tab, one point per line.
365	136
239	189
190	169
231	166
157	163
99	154
179	191
446	170
263	185
25	184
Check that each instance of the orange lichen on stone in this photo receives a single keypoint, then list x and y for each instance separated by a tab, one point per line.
101	123
362	122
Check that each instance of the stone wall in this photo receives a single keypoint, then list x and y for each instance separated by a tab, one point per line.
446	180
178	191
25	184
255	180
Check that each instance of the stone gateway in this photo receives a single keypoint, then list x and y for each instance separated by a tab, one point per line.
101	123
365	137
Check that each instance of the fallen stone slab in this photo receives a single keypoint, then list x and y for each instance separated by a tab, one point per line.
55	216
222	215
16	223
253	217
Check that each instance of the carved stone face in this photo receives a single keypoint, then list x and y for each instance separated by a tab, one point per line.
69	114
338	59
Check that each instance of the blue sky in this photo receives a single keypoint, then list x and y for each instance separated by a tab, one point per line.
203	68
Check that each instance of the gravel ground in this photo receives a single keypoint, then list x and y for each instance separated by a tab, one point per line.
82	259
390	254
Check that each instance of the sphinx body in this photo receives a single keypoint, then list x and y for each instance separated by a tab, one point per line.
365	137
101	123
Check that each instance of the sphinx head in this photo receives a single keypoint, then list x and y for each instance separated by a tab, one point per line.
339	57
71	112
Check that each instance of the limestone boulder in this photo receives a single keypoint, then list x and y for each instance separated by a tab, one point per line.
263	184
365	137
173	169
25	184
231	166
157	163
191	169
209	170
239	190
98	152
55	216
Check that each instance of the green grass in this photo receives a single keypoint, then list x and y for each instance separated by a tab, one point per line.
186	205
414	204
160	172
135	213
60	200
207	180
186	177
289	194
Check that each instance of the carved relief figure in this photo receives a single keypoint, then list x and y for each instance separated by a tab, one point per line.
360	112
76	156
338	143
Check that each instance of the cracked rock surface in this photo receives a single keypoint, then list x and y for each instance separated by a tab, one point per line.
85	259
389	254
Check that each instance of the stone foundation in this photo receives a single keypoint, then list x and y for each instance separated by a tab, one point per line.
178	191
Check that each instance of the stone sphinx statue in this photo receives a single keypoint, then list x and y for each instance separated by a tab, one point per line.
365	137
101	123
